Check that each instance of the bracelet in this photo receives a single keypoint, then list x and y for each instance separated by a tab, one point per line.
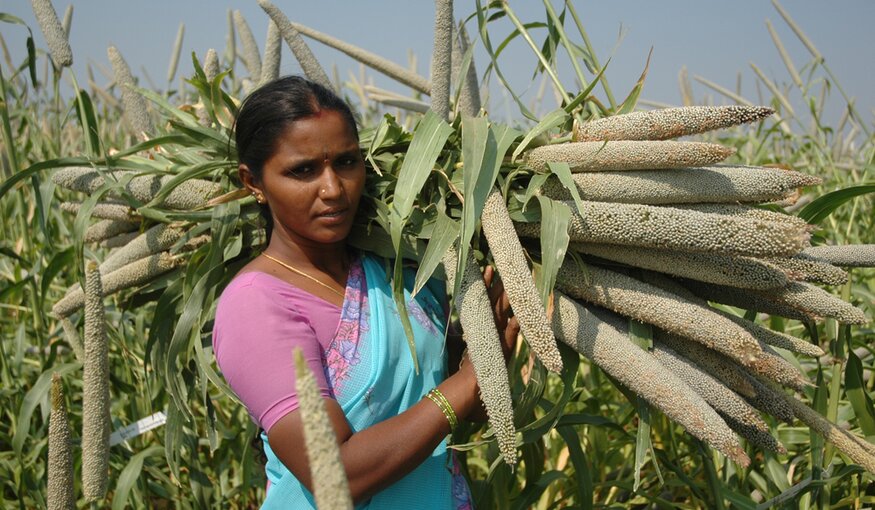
440	400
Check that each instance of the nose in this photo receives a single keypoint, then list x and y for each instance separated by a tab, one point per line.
330	186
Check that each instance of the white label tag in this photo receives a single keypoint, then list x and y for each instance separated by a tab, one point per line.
135	429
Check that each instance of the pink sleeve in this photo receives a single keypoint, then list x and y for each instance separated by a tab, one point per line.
253	336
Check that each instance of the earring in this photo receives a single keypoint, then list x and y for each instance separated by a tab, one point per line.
259	197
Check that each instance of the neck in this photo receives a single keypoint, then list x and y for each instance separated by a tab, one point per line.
332	259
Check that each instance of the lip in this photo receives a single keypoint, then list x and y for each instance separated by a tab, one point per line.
334	215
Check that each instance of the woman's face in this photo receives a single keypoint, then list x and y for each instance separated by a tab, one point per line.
314	180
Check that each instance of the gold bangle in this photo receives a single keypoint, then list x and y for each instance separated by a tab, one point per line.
440	400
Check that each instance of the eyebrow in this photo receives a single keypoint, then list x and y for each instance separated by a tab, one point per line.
292	162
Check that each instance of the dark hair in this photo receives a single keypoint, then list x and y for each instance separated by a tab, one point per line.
269	110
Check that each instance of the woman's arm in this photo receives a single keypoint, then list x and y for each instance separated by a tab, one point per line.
378	456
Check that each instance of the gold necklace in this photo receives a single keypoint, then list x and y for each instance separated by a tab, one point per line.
305	275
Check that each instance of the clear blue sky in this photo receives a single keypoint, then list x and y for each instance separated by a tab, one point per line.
716	40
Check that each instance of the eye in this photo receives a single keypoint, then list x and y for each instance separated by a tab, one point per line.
347	160
300	171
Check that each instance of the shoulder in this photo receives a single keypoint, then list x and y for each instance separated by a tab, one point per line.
252	287
258	305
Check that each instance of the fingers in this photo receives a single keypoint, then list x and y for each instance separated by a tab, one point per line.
511	333
488	274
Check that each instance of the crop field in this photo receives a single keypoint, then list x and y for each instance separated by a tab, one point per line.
695	284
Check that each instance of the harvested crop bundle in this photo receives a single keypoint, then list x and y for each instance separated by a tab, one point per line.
188	194
372	60
95	391
104	210
815	302
296	43
106	229
158	238
810	269
607	344
747	211
852	255
647	303
668	122
441	58
484	349
859	450
510	261
125	277
327	473
60	492
775	338
676	229
718	396
743	272
743	299
713	184
645	155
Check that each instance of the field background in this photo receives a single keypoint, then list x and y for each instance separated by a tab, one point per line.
207	460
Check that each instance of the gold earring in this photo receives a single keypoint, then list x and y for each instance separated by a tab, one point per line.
259	198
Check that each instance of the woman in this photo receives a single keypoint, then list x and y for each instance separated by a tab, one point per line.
299	156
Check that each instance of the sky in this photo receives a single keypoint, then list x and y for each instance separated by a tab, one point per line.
717	40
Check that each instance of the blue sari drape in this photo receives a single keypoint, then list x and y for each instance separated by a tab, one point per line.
370	371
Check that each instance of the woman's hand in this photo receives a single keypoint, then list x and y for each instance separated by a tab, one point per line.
507	325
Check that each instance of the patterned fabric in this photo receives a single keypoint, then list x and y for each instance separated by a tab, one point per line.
370	370
343	353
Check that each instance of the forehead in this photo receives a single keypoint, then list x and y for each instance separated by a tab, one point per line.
324	122
326	132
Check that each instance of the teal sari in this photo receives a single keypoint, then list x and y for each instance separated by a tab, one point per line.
370	371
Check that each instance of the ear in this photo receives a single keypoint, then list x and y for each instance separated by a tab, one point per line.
248	179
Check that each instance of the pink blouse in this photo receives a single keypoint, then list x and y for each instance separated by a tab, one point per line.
259	320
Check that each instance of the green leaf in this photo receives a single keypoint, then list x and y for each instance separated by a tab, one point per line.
193	172
631	100
88	121
555	217
714	484
585	93
563	172
821	207
855	389
570	362
31	61
33	169
429	139
15	20
129	476
445	233
581	466
530	495
553	119
59	262
37	393
535	184
483	149
482	25
641	334
401	304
